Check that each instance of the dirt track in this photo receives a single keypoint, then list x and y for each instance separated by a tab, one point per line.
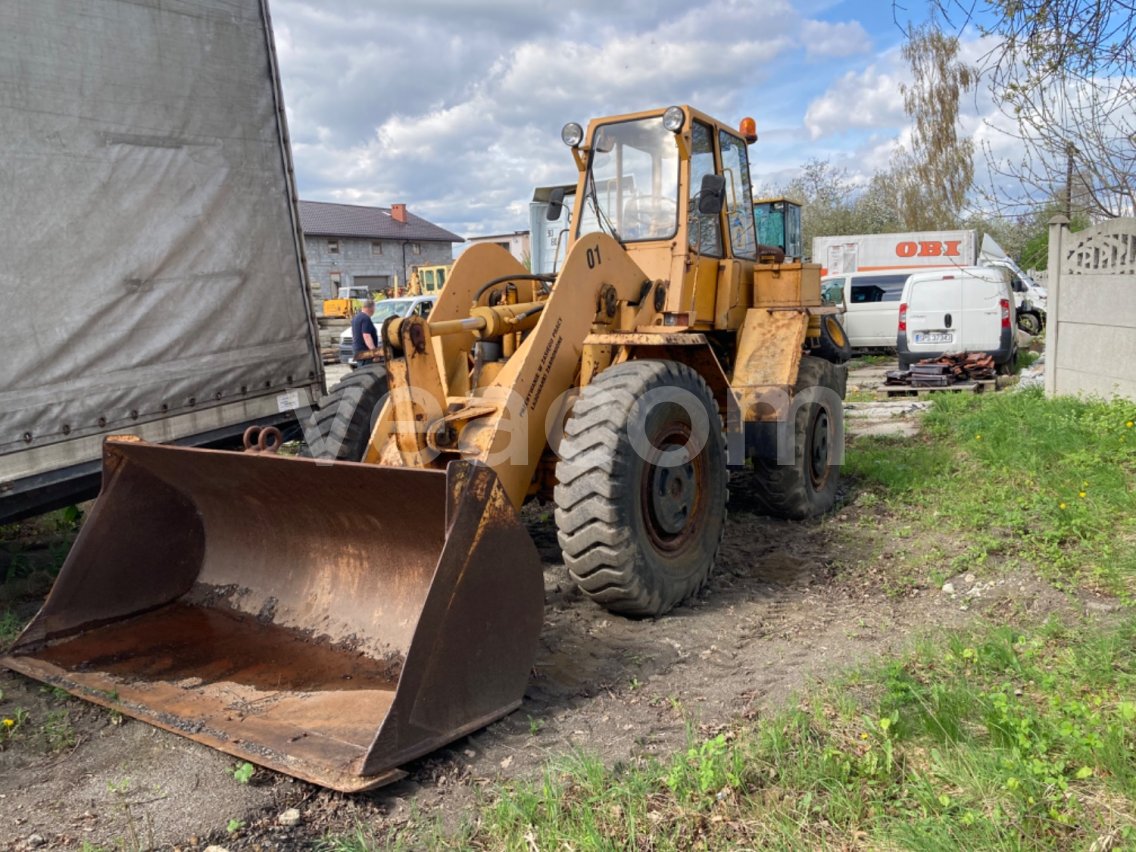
787	603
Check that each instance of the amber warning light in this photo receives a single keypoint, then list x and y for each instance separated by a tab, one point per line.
748	129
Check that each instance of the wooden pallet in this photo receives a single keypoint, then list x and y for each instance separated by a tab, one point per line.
893	391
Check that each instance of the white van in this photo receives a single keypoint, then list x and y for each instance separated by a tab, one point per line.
871	305
966	309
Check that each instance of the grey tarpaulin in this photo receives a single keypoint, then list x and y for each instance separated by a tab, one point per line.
149	254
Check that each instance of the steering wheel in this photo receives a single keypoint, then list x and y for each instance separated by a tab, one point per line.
643	214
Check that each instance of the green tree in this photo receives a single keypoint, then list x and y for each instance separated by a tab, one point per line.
878	207
935	172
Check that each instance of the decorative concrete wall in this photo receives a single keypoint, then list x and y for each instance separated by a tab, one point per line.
1091	338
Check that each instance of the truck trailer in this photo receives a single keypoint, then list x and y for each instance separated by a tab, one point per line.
153	279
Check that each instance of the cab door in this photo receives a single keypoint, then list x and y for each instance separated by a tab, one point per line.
704	232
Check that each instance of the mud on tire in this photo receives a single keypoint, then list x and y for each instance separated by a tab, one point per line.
639	534
808	486
347	415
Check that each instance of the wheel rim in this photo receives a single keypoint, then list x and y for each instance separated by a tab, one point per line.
671	496
817	449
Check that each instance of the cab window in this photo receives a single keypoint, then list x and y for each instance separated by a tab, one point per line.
739	196
832	291
632	181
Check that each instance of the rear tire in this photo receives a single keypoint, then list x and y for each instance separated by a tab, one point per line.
1030	323
834	345
807	487
639	535
1006	368
347	415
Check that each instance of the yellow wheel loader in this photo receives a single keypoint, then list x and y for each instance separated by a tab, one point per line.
427	280
337	615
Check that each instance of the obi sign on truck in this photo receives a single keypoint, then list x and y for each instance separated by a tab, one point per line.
886	252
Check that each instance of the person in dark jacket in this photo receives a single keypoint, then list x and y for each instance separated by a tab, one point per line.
364	335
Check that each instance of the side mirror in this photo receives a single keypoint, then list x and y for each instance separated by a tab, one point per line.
712	195
555	204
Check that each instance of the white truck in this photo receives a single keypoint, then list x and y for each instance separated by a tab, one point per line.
913	251
148	177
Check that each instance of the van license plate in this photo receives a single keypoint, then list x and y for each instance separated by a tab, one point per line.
934	337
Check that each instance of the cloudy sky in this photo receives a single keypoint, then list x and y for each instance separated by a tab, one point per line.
455	108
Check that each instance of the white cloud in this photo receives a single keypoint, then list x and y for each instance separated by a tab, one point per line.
456	111
455	108
824	40
867	99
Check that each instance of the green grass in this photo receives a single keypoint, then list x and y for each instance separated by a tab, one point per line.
874	359
10	627
38	545
418	833
1048	482
992	739
861	395
989	738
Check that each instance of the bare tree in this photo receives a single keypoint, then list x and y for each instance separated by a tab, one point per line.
936	172
1062	73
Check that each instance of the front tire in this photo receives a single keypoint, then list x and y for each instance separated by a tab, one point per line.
639	518
807	487
347	415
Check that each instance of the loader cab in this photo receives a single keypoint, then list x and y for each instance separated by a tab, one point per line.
779	224
644	180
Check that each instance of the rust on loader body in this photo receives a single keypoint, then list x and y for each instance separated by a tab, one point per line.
290	612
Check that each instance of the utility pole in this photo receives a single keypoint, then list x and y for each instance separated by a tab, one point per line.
1069	151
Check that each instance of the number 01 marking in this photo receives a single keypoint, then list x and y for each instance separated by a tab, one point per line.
594	258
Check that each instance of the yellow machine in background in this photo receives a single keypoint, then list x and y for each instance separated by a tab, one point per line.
427	280
337	616
347	302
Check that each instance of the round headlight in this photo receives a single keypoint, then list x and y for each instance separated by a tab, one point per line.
572	134
673	119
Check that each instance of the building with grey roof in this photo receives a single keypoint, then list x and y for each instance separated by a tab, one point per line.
374	247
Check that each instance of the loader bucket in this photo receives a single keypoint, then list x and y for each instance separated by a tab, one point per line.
329	620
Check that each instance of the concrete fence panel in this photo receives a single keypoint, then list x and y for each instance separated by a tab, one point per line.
1091	337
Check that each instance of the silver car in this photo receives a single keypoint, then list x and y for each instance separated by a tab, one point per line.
385	308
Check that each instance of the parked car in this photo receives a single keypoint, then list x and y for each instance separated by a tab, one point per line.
384	308
871	305
967	309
